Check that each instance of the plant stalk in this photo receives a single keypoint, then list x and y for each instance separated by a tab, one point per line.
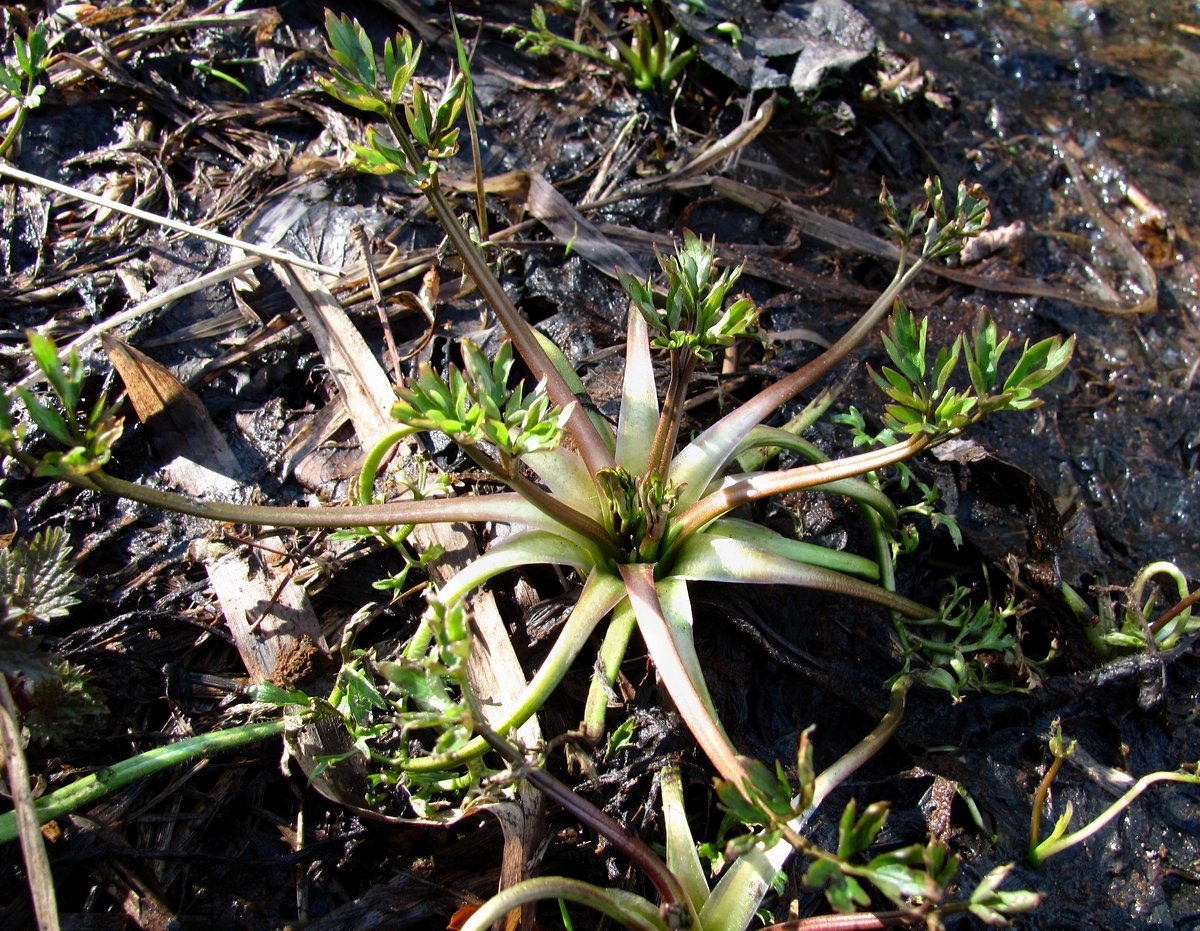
626	909
591	445
1039	853
14	127
638	852
501	508
683	366
766	484
856	756
569	517
709	452
1039	802
110	778
33	845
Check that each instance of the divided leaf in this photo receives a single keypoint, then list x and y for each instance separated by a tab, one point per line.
856	833
475	405
993	906
37	579
925	402
692	314
350	47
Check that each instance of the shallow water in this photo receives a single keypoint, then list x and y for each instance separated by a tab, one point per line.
1116	87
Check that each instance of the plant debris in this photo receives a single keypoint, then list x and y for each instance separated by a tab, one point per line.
242	376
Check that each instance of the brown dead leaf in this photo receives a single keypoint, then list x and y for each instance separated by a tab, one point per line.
199	459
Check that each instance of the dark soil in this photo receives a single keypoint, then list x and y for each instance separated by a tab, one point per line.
1101	481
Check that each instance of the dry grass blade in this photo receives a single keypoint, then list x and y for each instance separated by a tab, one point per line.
583	236
33	850
359	377
16	174
727	146
225	272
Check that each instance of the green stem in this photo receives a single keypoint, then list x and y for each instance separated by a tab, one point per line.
14	127
502	508
374	459
765	484
598	597
587	51
625	908
669	889
707	454
612	654
866	748
110	778
683	366
1049	847
591	530
591	445
366	486
1136	590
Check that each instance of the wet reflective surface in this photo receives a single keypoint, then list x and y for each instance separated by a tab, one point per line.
1115	89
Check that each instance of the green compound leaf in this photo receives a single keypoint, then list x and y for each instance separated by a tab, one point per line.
857	833
36	51
924	400
37	579
47	419
351	48
693	313
359	695
994	906
400	60
843	892
765	798
474	405
67	383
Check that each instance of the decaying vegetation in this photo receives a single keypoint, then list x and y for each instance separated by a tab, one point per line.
382	294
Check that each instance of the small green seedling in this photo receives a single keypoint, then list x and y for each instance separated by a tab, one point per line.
20	80
652	60
1059	840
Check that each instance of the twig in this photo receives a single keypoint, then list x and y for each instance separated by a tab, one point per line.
364	246
225	272
33	849
178	225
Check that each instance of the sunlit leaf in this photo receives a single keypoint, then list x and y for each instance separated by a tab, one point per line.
46	418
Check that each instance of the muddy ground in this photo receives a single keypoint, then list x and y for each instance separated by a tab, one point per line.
1080	128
